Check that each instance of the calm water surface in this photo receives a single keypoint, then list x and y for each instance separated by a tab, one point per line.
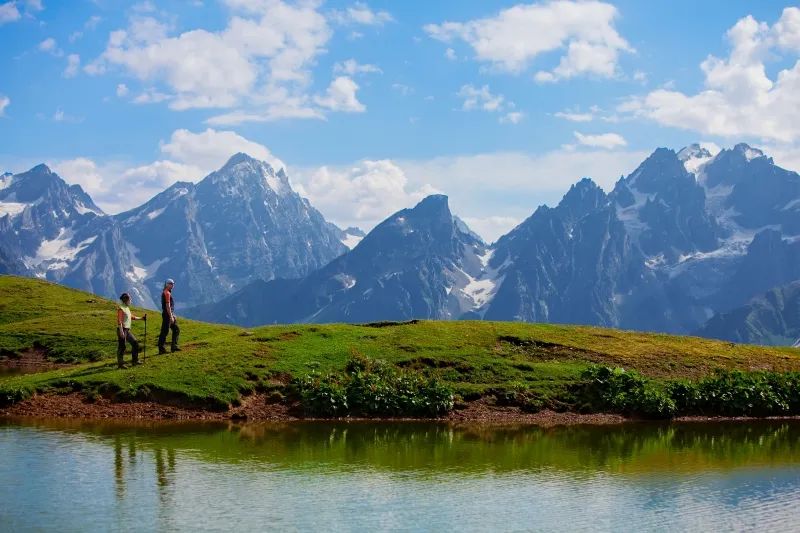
79	476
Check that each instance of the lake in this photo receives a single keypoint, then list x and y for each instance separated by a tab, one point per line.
91	476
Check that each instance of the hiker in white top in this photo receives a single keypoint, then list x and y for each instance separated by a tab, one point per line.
124	317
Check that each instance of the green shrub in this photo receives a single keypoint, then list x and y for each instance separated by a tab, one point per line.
370	387
12	395
605	389
737	393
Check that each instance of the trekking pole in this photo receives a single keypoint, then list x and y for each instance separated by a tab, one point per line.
144	348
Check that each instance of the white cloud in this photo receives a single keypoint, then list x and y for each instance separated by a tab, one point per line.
511	40
360	195
9	12
450	54
482	98
187	156
34	5
366	192
260	63
575	116
341	96
360	13
739	98
513	117
150	96
209	149
493	227
122	90
351	67
5	101
73	64
50	46
82	171
403	89
608	141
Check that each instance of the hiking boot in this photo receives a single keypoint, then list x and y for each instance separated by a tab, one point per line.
176	349
121	366
136	363
161	350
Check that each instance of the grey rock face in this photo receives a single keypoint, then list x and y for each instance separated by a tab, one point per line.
772	318
418	263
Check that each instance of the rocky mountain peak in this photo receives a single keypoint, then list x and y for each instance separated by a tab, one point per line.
582	198
244	170
657	171
747	151
693	151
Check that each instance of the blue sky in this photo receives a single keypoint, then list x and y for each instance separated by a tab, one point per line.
372	105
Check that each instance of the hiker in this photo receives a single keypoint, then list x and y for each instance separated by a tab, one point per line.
168	320
124	334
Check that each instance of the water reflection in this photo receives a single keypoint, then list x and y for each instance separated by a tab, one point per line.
382	476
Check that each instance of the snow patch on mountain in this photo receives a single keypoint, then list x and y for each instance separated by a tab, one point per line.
695	156
57	253
6	180
12	209
351	240
155	213
481	288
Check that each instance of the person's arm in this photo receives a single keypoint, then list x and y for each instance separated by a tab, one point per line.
143	317
171	310
120	321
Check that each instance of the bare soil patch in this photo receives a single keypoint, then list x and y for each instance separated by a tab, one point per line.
28	362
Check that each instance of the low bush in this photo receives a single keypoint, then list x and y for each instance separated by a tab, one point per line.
737	393
370	387
616	390
724	393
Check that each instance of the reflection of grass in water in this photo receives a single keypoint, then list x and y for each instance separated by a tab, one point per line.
437	448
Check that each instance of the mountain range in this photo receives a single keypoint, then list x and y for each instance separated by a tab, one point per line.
241	223
681	245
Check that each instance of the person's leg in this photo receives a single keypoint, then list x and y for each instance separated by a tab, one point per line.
176	331
162	337
120	349
134	347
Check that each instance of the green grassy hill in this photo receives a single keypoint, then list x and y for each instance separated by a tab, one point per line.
220	364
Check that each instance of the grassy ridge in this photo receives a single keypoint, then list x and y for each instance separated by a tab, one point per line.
222	363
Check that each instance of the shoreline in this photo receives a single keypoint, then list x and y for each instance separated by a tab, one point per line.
255	408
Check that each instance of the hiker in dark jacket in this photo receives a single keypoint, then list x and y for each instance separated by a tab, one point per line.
124	317
168	320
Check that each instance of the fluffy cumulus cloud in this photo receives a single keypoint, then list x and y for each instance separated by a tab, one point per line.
740	98
341	96
366	192
359	195
210	149
608	141
514	38
186	156
259	65
5	101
